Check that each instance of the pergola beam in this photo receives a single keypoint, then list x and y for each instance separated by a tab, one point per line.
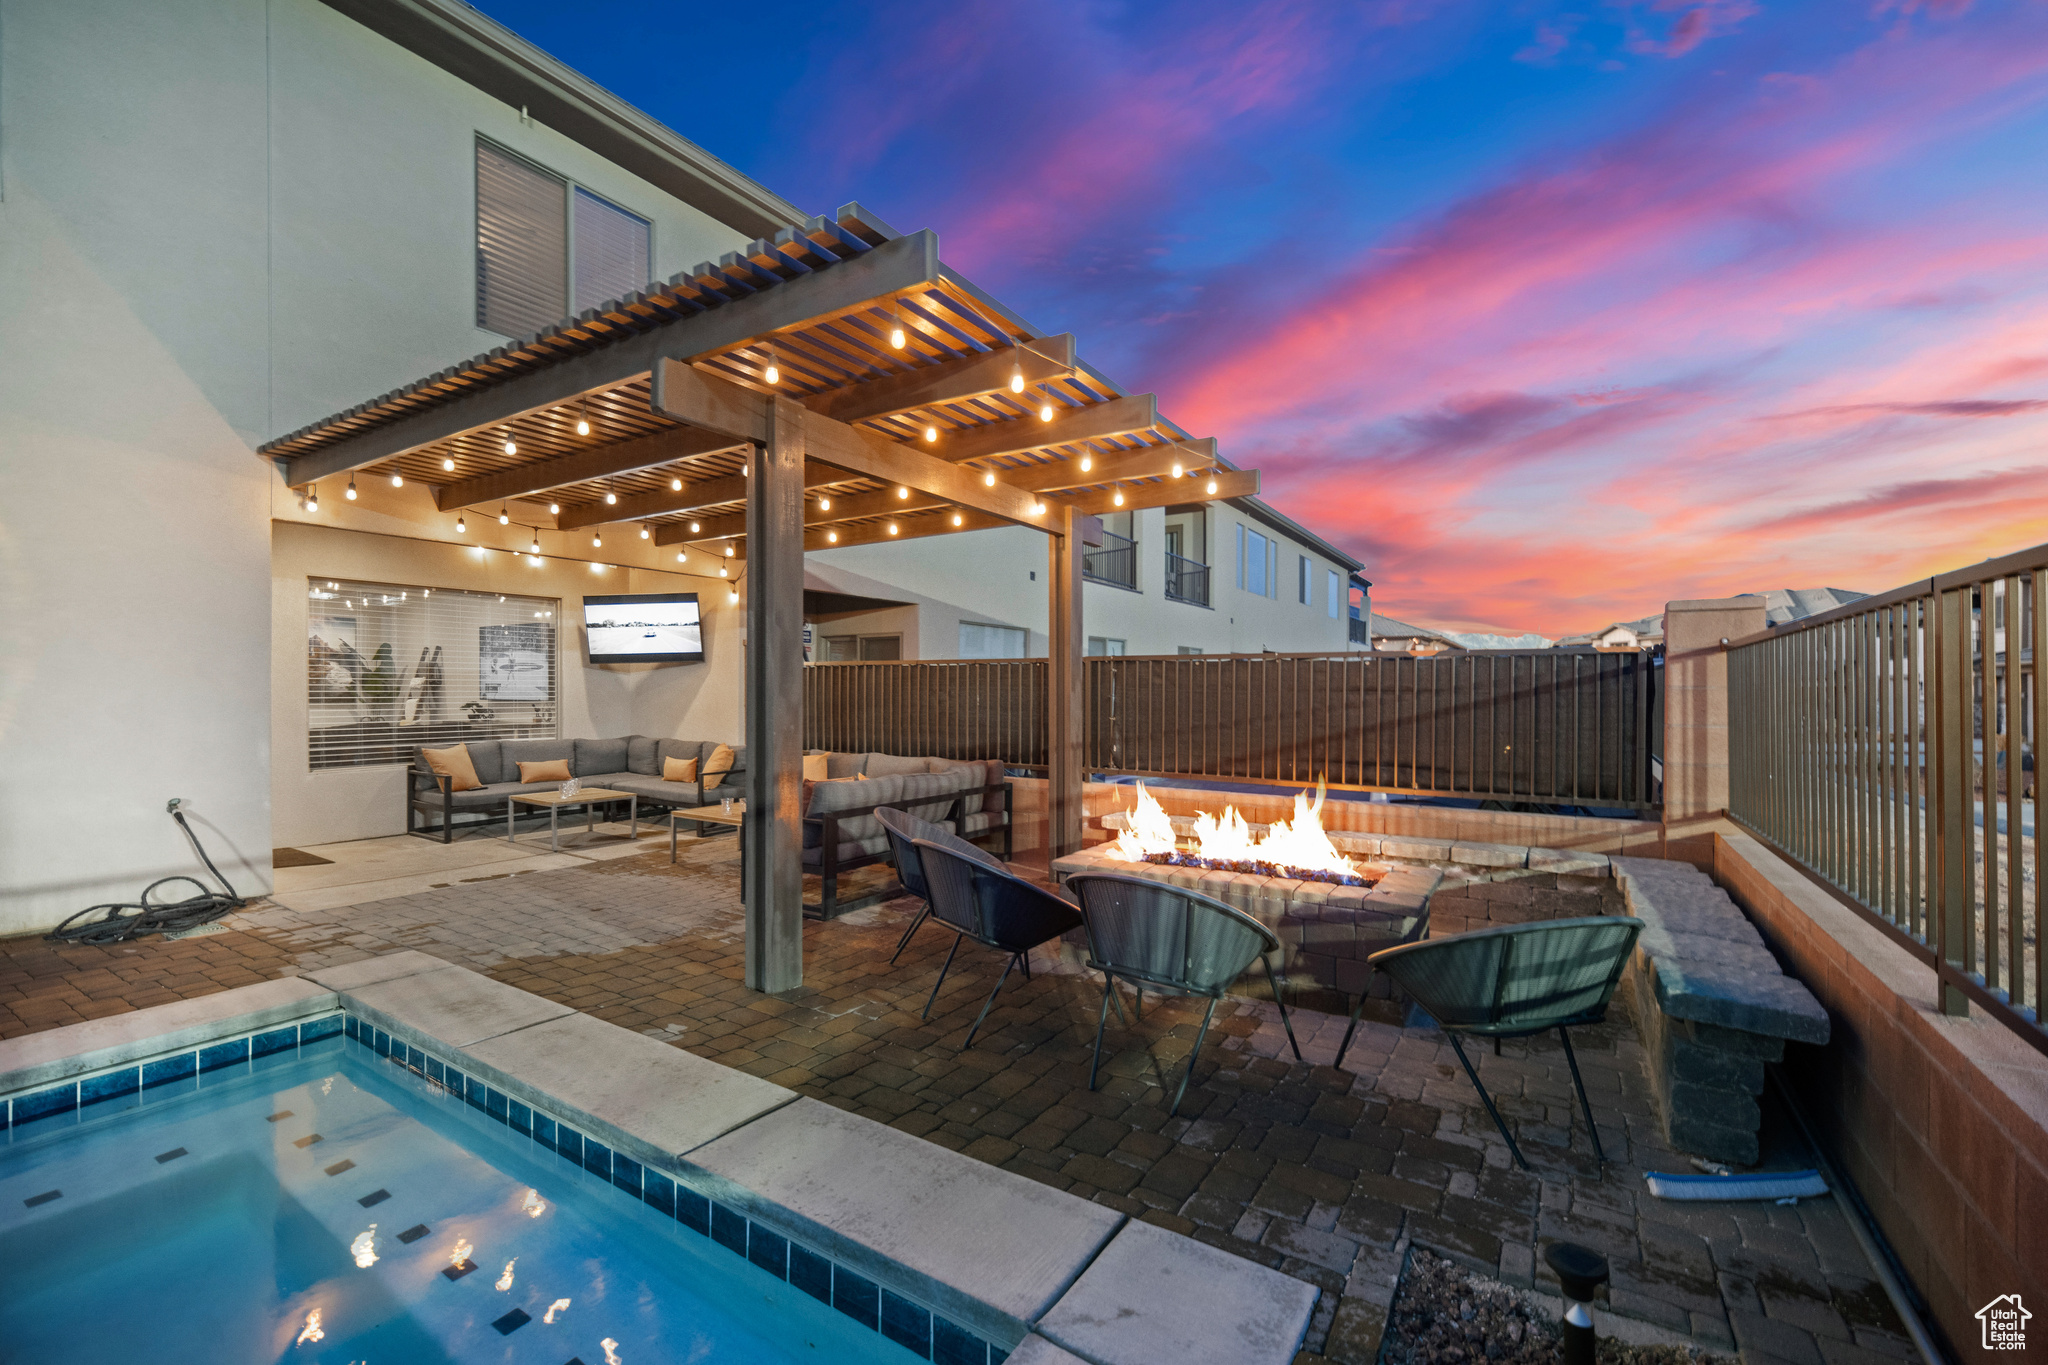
622	457
858	506
1153	462
689	395
703	493
1117	417
1237	483
950	381
873	276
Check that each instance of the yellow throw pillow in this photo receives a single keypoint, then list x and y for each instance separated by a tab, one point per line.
814	768
717	766
861	777
454	763
679	770
554	770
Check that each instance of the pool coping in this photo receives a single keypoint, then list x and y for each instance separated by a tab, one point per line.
923	1228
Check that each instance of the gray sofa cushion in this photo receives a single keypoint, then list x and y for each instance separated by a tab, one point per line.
849	850
643	755
827	797
847	765
889	765
683	749
488	757
594	756
518	751
655	789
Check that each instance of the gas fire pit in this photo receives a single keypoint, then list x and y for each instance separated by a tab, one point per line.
1329	911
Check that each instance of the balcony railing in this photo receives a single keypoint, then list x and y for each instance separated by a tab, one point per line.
1187	580
1891	747
1361	632
1558	727
1116	562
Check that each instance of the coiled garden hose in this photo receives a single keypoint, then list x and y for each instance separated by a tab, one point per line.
118	921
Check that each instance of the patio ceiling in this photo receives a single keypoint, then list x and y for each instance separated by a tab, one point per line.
928	438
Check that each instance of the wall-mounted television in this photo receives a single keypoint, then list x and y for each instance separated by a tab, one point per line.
651	628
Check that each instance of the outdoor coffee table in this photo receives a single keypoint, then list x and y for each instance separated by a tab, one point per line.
709	815
590	798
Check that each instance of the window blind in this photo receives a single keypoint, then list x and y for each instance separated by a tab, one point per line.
522	245
613	251
391	666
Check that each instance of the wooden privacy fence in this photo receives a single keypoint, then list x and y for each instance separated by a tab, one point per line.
1889	747
1569	727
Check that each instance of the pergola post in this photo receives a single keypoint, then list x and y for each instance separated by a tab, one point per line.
773	831
1064	649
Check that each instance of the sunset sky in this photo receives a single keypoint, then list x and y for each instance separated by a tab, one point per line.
1549	313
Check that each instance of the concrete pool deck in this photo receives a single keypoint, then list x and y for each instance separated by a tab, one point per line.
1324	1174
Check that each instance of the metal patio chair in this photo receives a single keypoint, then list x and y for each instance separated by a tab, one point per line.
904	830
980	900
1516	981
1176	941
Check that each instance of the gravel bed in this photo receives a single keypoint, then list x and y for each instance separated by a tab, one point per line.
1445	1315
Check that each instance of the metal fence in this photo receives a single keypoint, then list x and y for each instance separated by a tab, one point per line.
1555	727
1187	580
1116	562
1889	747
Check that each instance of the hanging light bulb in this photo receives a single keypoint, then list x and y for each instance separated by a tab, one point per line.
695	527
773	374
931	433
729	550
610	498
461	526
733	597
831	537
504	515
596	540
536	541
313	499
901	491
896	337
675	485
448	464
1038	509
1017	378
892	528
644	533
1045	412
956	518
583	422
351	488
397	480
1176	469
511	447
1212	481
824	504
1087	463
724	572
989	478
681	555
1117	498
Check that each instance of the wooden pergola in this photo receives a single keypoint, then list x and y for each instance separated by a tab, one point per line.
835	386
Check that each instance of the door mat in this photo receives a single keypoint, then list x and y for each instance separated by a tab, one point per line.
296	857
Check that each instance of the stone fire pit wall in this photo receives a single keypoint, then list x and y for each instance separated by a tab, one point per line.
1326	931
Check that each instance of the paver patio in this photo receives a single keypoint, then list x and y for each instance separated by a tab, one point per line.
1327	1174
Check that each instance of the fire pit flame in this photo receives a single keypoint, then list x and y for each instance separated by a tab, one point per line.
1296	848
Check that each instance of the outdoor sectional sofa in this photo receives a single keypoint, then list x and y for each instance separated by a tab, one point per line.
969	797
632	763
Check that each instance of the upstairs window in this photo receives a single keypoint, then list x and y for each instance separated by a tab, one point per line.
1256	563
546	248
1336	594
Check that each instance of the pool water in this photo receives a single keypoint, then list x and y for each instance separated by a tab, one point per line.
321	1206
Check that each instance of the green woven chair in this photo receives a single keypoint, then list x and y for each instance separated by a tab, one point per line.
1516	981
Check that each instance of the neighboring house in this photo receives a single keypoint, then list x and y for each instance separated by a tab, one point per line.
1621	637
1398	637
1796	604
221	221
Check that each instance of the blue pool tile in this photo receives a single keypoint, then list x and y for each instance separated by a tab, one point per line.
768	1251
953	1344
693	1210
659	1192
495	1104
907	1324
58	1099
313	1030
223	1054
521	1118
856	1296
597	1157
996	1354
569	1143
810	1272
544	1130
113	1085
350	1026
164	1070
276	1040
474	1091
436	1071
626	1173
381	1041
453	1079
728	1229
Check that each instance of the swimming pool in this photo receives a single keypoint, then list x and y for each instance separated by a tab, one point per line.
321	1204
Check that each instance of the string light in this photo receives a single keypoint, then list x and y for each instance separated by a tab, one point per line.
824	504
896	337
1045	412
554	509
610	498
831	537
1017	376
1087	463
1176	469
892	528
733	597
956	518
351	488
511	447
596	540
461	526
695	527
774	373
1212	481
931	433
681	555
1038	509
729	551
448	464
723	572
1117	498
901	491
583	421
313	499
675	485
644	533
504	515
989	478
536	540
397	480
